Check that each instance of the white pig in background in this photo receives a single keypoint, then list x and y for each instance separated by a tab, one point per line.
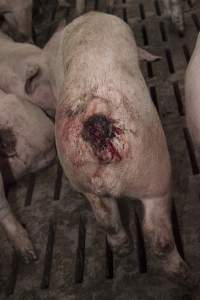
24	72
16	19
109	137
192	94
26	146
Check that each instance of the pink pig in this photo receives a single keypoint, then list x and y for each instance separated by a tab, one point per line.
26	146
109	137
16	19
24	72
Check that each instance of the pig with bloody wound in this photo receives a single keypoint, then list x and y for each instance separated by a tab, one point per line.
109	138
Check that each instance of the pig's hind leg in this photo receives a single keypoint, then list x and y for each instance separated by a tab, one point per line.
158	230
107	215
14	231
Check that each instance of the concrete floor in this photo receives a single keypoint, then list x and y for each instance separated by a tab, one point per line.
74	259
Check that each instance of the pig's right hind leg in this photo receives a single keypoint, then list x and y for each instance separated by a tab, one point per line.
14	231
107	215
158	229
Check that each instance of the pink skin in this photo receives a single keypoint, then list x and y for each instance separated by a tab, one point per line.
192	94
22	151
24	72
17	19
103	79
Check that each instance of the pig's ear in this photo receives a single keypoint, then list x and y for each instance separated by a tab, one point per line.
32	72
144	55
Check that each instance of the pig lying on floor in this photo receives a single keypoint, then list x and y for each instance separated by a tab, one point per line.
108	134
24	72
26	146
16	19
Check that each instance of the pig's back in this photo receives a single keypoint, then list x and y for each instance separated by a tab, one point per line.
100	54
101	36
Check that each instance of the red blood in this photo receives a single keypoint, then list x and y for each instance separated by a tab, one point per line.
114	153
99	131
117	130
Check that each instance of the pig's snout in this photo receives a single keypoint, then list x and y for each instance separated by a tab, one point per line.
99	131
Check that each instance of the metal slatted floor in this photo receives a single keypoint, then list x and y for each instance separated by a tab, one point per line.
75	261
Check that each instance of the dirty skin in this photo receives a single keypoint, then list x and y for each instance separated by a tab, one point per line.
99	131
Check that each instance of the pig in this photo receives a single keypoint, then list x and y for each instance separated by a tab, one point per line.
16	19
109	138
24	72
192	94
27	145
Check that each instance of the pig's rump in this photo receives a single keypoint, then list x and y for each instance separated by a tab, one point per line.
108	134
26	138
106	149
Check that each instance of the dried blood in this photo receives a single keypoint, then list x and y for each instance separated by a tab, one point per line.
99	131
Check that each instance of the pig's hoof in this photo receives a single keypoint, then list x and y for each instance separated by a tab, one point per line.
122	248
24	247
181	273
27	254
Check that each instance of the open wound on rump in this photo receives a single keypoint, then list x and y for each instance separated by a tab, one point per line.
7	142
99	131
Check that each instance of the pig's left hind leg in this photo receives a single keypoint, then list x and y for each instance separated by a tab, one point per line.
14	231
107	215
158	229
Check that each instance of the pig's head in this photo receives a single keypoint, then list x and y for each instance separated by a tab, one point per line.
16	19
